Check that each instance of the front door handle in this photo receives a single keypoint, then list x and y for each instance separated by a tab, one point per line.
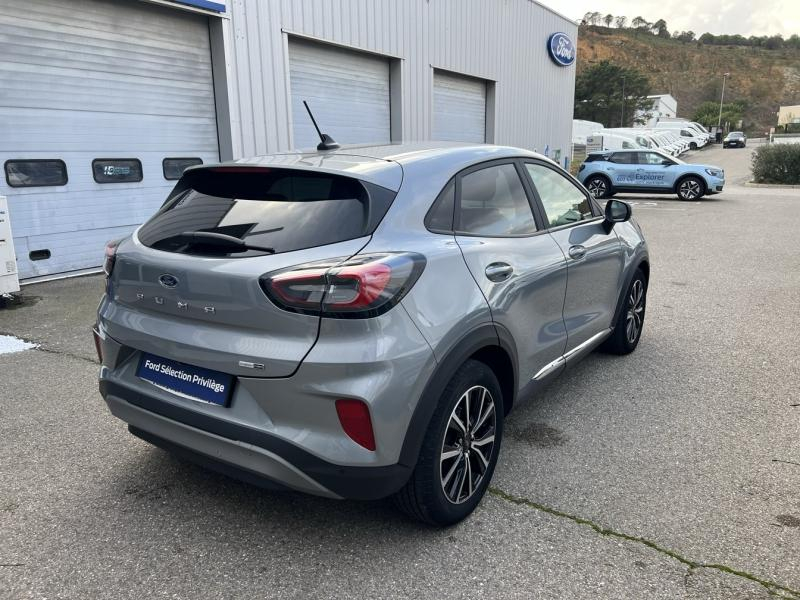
577	252
499	271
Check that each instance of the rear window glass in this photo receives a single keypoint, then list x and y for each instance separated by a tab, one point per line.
116	170
281	209
33	173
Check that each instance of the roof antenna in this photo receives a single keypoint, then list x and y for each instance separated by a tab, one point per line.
326	141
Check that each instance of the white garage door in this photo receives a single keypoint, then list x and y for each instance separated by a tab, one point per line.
96	79
459	108
347	91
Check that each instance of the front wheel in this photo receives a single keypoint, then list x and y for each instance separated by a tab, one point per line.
628	328
460	449
691	188
599	187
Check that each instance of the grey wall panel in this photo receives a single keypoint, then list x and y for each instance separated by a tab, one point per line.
92	79
347	91
459	108
503	41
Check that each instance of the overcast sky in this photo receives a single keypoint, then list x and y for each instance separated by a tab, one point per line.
745	17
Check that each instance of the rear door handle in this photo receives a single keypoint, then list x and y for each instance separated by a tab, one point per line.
499	271
577	252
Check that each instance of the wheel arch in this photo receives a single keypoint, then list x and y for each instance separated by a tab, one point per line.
643	264
490	344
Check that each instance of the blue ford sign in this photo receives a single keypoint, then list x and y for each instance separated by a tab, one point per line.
561	49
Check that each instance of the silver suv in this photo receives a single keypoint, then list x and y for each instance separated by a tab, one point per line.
358	323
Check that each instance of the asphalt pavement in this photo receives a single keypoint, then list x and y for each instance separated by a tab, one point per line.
670	473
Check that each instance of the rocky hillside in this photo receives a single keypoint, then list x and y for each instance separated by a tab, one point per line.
692	72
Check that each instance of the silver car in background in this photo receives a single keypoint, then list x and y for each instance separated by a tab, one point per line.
357	323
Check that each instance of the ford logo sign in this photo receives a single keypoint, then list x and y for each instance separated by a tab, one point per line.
168	281
561	49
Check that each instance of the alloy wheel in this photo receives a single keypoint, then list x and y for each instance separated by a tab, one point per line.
468	444
689	189
597	187
635	316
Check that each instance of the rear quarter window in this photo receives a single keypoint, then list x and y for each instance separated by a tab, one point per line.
283	209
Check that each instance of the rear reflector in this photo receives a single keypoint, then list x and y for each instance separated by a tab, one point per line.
354	417
98	344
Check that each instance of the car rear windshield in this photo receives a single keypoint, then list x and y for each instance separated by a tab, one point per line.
278	209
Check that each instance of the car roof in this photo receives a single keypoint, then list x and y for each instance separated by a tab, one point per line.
382	164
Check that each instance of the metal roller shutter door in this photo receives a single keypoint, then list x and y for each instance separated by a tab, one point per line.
459	108
347	91
90	79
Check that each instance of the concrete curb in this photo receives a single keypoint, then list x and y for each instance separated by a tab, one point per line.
771	185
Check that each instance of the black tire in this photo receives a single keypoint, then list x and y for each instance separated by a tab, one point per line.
692	146
691	188
424	497
599	186
620	341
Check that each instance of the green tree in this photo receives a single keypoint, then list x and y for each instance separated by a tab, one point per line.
608	19
599	94
621	22
708	113
660	28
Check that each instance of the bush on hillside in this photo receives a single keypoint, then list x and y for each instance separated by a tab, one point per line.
777	163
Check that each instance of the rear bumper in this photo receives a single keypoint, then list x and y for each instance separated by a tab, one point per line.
246	453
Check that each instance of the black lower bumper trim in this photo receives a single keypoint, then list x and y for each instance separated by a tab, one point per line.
358	483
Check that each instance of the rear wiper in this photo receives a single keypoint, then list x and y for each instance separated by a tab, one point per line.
209	238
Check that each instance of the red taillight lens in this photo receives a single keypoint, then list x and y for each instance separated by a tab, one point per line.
110	258
355	420
359	287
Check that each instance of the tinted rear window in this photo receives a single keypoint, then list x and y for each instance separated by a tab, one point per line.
278	208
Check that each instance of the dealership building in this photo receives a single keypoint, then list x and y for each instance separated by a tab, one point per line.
103	103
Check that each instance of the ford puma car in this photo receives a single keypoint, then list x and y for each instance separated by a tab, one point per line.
358	323
648	172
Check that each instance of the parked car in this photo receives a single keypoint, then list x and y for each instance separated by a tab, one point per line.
357	323
652	172
735	139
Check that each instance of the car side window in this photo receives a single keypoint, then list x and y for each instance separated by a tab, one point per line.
440	216
650	158
622	158
493	202
563	202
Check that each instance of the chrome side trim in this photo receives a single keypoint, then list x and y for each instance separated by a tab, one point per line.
562	360
549	368
592	340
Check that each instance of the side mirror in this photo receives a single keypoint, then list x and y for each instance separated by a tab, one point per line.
666	163
617	211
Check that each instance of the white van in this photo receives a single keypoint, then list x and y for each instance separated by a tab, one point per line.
582	129
613	141
686	130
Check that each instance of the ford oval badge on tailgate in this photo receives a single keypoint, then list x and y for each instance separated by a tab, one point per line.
168	281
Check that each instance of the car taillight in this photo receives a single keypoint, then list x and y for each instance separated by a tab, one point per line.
111	256
346	288
582	167
356	422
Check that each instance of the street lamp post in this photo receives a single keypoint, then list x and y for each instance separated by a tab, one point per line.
721	98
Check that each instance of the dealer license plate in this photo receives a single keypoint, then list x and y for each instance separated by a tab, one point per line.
193	382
